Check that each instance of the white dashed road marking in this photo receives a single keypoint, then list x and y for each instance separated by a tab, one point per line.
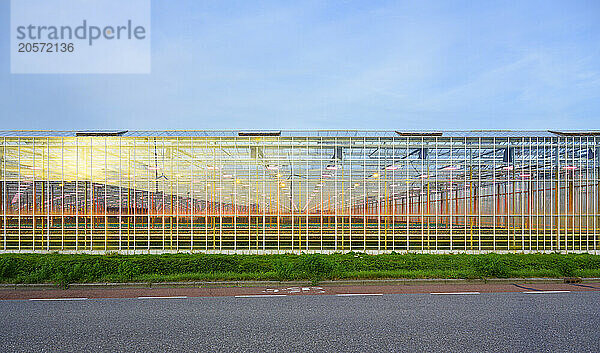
261	296
456	293
55	299
358	294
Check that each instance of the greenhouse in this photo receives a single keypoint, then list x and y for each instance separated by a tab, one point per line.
299	191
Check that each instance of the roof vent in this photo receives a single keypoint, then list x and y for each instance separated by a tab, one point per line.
260	133
576	132
100	133
419	133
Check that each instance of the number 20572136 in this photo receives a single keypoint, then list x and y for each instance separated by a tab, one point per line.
45	47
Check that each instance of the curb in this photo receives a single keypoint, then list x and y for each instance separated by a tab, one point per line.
197	284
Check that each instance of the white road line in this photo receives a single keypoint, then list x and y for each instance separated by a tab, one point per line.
261	296
456	293
55	299
162	297
547	291
359	294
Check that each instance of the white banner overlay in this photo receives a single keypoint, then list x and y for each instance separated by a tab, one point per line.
80	37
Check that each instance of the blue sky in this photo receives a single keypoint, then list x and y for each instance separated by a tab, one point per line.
340	65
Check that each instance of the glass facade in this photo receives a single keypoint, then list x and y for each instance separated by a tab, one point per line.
299	191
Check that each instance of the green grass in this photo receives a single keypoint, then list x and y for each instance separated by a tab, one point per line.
64	269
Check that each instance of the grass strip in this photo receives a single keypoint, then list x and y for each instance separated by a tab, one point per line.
82	268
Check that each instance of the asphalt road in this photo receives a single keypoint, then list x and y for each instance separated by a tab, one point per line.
494	322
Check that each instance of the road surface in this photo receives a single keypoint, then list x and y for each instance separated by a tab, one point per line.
518	321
